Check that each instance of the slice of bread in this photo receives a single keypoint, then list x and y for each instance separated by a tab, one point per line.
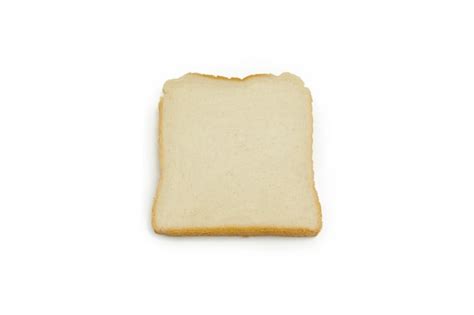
236	157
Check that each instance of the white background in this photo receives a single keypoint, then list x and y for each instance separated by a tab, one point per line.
393	85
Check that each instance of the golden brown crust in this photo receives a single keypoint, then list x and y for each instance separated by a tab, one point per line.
160	157
238	231
315	193
232	230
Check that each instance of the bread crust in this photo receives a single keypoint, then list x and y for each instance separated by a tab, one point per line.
219	77
238	231
161	159
232	230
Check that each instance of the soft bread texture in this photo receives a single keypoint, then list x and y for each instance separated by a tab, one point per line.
236	157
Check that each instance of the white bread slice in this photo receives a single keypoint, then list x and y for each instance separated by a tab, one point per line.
236	157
